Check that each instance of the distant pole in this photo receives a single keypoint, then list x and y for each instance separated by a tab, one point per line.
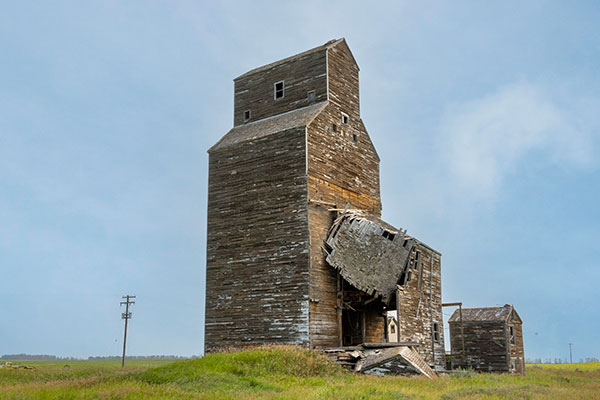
571	352
126	316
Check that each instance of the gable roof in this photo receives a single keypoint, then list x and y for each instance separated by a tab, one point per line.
298	118
483	314
322	47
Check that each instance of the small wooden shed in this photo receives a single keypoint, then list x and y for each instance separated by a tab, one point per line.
488	339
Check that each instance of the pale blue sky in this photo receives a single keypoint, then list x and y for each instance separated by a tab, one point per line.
485	116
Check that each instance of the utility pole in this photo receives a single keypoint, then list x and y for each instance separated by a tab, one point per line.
126	316
571	352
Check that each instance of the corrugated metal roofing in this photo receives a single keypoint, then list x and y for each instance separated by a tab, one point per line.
268	126
483	314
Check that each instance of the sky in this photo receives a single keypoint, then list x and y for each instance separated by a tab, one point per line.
484	114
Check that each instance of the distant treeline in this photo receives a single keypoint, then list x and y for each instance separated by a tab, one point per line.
43	357
558	360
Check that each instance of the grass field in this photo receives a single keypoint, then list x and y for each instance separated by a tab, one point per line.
281	373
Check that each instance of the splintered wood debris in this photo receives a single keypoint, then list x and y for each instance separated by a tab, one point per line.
367	356
368	252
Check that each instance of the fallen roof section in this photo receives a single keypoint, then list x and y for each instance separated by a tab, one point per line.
267	126
368	252
365	357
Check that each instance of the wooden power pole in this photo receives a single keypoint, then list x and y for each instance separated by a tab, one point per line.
571	353
126	316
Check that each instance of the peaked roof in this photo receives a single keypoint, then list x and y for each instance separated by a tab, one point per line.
298	118
485	314
325	46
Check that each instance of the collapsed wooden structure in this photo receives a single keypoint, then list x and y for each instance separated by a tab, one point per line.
297	252
385	357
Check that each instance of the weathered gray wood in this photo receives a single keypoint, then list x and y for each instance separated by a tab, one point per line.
276	184
485	334
395	344
375	357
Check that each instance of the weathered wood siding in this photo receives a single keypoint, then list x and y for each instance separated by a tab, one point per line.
255	92
344	91
340	172
485	345
257	272
323	281
420	303
516	352
375	323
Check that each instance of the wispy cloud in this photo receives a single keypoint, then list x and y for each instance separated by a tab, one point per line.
487	139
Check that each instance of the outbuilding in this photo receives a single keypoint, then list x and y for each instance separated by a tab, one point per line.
488	339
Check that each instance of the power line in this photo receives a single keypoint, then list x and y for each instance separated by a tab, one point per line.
126	316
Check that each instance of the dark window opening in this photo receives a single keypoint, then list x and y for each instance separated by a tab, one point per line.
334	127
511	334
246	115
436	332
345	118
311	96
279	87
392	329
354	137
388	235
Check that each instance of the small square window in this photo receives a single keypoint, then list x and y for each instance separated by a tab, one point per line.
354	137
246	115
311	96
345	118
334	127
279	88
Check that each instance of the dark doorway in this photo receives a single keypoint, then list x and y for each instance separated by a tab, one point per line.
353	327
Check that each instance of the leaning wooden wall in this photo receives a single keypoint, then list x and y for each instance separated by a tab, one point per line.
257	248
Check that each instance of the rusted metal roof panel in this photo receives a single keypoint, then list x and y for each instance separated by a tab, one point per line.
369	253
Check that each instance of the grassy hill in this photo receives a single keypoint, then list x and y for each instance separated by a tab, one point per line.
281	373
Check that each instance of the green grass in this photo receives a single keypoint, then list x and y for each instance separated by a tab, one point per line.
281	373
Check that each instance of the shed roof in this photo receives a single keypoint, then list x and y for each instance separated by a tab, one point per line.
267	126
483	314
325	46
